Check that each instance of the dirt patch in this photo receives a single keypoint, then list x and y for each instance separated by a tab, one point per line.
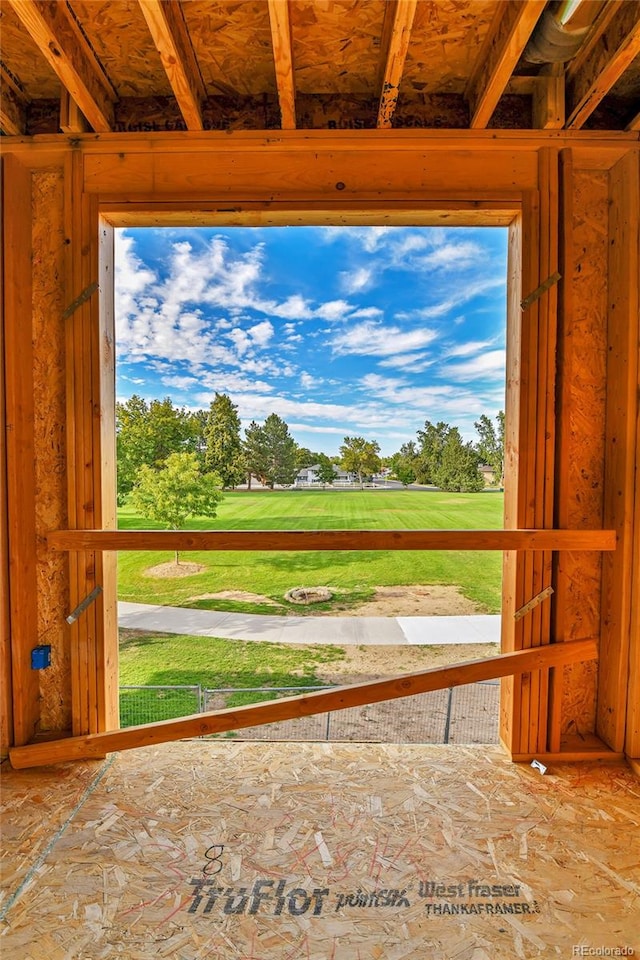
242	595
380	662
172	569
417	601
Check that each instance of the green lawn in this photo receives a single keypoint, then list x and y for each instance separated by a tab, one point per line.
352	574
148	659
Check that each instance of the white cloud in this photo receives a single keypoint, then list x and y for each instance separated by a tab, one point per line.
375	339
356	280
487	365
333	310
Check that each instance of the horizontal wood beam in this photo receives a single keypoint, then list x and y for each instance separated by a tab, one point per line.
601	63
307	705
279	18
56	34
332	540
397	36
170	35
509	31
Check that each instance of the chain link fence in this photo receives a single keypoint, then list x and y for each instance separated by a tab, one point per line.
458	715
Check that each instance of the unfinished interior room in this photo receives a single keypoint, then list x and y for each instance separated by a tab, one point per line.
161	840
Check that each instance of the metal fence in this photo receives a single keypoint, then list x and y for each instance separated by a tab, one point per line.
466	714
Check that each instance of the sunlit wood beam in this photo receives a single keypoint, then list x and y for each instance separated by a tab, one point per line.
170	35
56	34
509	31
603	60
396	36
279	17
12	105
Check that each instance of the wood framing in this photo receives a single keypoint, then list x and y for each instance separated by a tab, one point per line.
12	105
62	44
279	18
235	718
399	15
528	180
619	591
601	63
526	540
512	26
167	27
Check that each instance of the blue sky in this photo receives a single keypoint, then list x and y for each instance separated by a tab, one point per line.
364	331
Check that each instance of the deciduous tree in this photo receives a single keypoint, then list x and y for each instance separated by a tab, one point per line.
176	492
360	456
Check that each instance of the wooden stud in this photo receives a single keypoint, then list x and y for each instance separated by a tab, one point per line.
6	701
236	718
508	34
524	540
55	32
601	62
20	454
634	124
400	14
171	37
71	117
621	453
549	99
280	20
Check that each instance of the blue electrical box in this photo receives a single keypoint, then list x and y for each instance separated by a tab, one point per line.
41	657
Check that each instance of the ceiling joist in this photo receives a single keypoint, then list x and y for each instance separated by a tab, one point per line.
508	34
170	35
53	29
396	36
603	60
12	105
279	17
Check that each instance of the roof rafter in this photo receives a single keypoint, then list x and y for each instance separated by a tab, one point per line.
55	32
508	34
634	124
170	35
12	105
396	34
279	17
601	62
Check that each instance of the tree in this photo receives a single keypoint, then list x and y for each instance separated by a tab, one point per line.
490	447
270	451
326	469
147	433
403	463
458	467
223	450
432	440
360	456
176	492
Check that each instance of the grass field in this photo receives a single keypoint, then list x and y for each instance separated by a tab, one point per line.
175	660
353	574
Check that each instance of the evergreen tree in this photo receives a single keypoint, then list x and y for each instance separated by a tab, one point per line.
270	451
223	446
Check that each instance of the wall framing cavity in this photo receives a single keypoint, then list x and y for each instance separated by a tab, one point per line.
571	203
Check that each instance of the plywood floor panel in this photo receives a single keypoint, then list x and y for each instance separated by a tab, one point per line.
247	851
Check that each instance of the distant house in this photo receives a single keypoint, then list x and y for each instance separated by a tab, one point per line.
488	475
307	476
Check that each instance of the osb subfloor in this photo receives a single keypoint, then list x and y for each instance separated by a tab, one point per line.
247	851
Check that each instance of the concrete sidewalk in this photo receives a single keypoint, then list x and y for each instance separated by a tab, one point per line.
433	631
